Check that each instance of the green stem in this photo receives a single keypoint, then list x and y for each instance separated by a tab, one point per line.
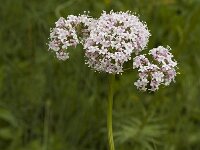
109	112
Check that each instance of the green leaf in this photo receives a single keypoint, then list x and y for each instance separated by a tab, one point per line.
7	116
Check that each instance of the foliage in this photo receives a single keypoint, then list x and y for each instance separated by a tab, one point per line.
46	104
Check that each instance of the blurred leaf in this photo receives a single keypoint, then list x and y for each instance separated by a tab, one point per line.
145	132
7	116
6	133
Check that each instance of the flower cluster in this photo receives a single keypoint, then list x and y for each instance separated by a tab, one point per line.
110	41
65	34
160	71
113	39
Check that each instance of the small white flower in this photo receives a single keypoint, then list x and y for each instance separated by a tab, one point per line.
62	55
160	71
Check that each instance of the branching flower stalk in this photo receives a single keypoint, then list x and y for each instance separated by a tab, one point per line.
109	42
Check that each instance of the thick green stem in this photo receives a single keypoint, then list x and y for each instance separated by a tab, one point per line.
109	112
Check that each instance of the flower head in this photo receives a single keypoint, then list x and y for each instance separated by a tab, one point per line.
162	70
112	40
65	34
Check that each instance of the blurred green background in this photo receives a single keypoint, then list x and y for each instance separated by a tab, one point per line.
46	104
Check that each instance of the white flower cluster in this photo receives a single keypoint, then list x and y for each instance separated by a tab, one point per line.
65	34
161	71
112	40
109	42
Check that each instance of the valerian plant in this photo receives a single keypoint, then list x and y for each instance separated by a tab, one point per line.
109	42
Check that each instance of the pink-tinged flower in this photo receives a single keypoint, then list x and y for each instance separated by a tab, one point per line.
114	38
140	61
65	34
162	70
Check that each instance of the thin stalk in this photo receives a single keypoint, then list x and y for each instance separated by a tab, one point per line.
109	112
